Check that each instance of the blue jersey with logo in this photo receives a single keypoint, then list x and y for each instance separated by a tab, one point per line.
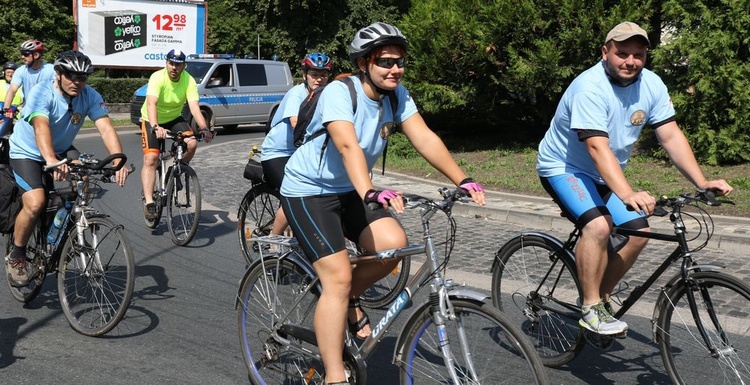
280	139
308	174
593	102
45	100
27	78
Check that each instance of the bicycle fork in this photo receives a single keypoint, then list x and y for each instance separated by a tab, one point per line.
442	310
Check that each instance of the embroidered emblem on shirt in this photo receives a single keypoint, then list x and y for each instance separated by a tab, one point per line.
638	118
76	118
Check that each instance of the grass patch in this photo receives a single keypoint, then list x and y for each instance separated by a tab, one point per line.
115	122
512	169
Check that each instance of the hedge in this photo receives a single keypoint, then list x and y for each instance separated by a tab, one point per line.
117	90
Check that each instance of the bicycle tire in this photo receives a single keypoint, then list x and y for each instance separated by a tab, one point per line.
255	217
35	253
158	201
268	291
511	360
183	194
685	355
95	298
542	305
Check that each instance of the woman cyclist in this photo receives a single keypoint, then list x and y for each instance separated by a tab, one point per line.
279	143
327	189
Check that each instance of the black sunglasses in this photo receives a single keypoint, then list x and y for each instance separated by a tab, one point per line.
388	62
76	76
26	53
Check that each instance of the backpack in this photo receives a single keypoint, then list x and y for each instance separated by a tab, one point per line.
10	199
307	111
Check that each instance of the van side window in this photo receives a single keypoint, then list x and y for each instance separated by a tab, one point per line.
252	75
222	76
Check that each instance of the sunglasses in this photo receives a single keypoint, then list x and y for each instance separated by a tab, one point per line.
77	77
26	53
388	62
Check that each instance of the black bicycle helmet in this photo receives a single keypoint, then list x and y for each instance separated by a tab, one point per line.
10	66
375	35
73	61
32	45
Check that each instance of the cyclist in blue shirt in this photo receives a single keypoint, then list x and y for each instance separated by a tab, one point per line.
44	134
583	154
326	191
278	145
33	72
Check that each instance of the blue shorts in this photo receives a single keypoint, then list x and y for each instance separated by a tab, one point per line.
582	200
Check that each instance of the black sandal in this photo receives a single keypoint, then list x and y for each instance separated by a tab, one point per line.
355	327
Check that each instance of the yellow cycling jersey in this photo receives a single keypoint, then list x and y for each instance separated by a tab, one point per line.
171	95
17	99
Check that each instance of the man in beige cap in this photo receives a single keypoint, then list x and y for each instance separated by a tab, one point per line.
583	154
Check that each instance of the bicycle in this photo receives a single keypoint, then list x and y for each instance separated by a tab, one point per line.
255	218
697	317
91	254
176	187
440	342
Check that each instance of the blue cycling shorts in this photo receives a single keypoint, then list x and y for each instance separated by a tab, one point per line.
582	200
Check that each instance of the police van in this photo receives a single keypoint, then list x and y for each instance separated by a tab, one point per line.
232	91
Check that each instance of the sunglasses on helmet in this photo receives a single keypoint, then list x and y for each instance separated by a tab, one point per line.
388	62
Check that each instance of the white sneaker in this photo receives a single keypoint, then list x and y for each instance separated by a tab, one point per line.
597	319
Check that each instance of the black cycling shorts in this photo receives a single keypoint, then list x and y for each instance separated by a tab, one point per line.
322	223
150	143
273	170
30	173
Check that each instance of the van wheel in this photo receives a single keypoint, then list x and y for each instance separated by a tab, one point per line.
270	118
229	127
208	116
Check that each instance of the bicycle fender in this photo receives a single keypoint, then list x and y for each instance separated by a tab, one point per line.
289	255
400	349
548	238
666	290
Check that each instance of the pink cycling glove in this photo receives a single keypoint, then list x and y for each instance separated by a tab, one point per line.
469	185
379	196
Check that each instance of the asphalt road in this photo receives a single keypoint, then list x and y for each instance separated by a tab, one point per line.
181	327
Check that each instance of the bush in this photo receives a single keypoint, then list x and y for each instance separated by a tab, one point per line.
117	90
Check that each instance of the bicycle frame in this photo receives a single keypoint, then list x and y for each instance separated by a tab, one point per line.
176	153
440	290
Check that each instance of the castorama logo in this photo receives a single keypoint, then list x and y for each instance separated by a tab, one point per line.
159	56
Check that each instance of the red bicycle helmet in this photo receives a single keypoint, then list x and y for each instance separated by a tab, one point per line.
32	45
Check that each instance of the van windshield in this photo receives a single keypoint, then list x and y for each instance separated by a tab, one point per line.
198	70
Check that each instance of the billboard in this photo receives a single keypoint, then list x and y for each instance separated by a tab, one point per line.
138	33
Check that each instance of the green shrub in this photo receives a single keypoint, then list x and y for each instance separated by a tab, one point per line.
117	90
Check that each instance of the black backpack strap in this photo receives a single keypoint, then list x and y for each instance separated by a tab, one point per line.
393	99
353	95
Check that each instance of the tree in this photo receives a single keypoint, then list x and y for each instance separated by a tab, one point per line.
48	21
705	60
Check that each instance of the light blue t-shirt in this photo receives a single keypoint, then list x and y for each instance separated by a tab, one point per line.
280	139
46	100
593	102
27	78
308	174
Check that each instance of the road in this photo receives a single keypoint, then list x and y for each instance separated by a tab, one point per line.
181	326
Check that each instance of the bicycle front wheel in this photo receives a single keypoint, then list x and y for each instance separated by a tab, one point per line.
34	253
269	292
723	305
183	204
96	277
255	218
536	286
484	346
384	291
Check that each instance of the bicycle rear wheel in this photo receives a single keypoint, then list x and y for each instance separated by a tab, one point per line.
158	201
255	218
183	204
535	285
270	291
723	304
35	253
96	277
499	353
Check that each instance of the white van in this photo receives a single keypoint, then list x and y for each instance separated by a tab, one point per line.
232	91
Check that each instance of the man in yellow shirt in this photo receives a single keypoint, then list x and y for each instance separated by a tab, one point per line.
9	69
168	90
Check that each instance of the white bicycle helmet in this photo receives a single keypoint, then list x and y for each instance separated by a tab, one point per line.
375	35
32	45
73	62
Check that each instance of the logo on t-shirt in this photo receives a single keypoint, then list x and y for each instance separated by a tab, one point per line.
638	118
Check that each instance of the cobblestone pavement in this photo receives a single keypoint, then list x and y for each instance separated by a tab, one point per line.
481	230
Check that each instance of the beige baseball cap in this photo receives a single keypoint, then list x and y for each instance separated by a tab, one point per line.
625	31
